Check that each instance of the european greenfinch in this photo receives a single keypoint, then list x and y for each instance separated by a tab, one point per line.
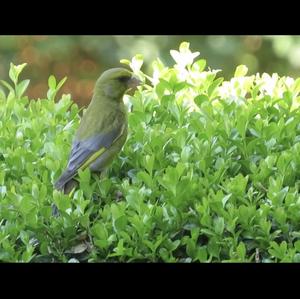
103	128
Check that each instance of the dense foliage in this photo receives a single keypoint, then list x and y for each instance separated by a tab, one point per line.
210	171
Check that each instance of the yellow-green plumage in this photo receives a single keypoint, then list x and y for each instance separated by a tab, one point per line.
103	128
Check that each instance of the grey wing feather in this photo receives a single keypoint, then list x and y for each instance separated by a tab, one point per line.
82	150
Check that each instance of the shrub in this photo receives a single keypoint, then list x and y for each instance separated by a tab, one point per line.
210	171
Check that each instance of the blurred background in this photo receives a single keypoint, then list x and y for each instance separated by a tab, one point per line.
83	58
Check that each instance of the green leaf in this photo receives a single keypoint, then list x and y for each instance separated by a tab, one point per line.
296	258
15	71
202	254
163	86
84	175
149	162
213	248
179	86
145	177
61	83
100	231
125	61
254	132
225	199
278	251
213	86
27	255
2	94
35	191
201	99
184	46
8	86
241	251
297	245
61	201
241	71
116	211
199	65
296	86
53	88
52	82
219	225
242	122
21	88
120	223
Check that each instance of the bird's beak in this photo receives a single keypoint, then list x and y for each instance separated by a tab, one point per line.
133	83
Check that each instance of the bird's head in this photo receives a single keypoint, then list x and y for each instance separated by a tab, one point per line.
113	83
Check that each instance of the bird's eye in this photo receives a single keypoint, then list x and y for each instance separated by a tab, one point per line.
124	79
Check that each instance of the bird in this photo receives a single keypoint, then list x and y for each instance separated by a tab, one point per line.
103	127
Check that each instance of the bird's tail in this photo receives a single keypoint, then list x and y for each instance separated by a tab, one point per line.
62	180
66	182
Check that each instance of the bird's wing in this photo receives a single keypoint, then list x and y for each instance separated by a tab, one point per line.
84	152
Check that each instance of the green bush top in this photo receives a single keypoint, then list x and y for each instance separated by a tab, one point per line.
210	171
